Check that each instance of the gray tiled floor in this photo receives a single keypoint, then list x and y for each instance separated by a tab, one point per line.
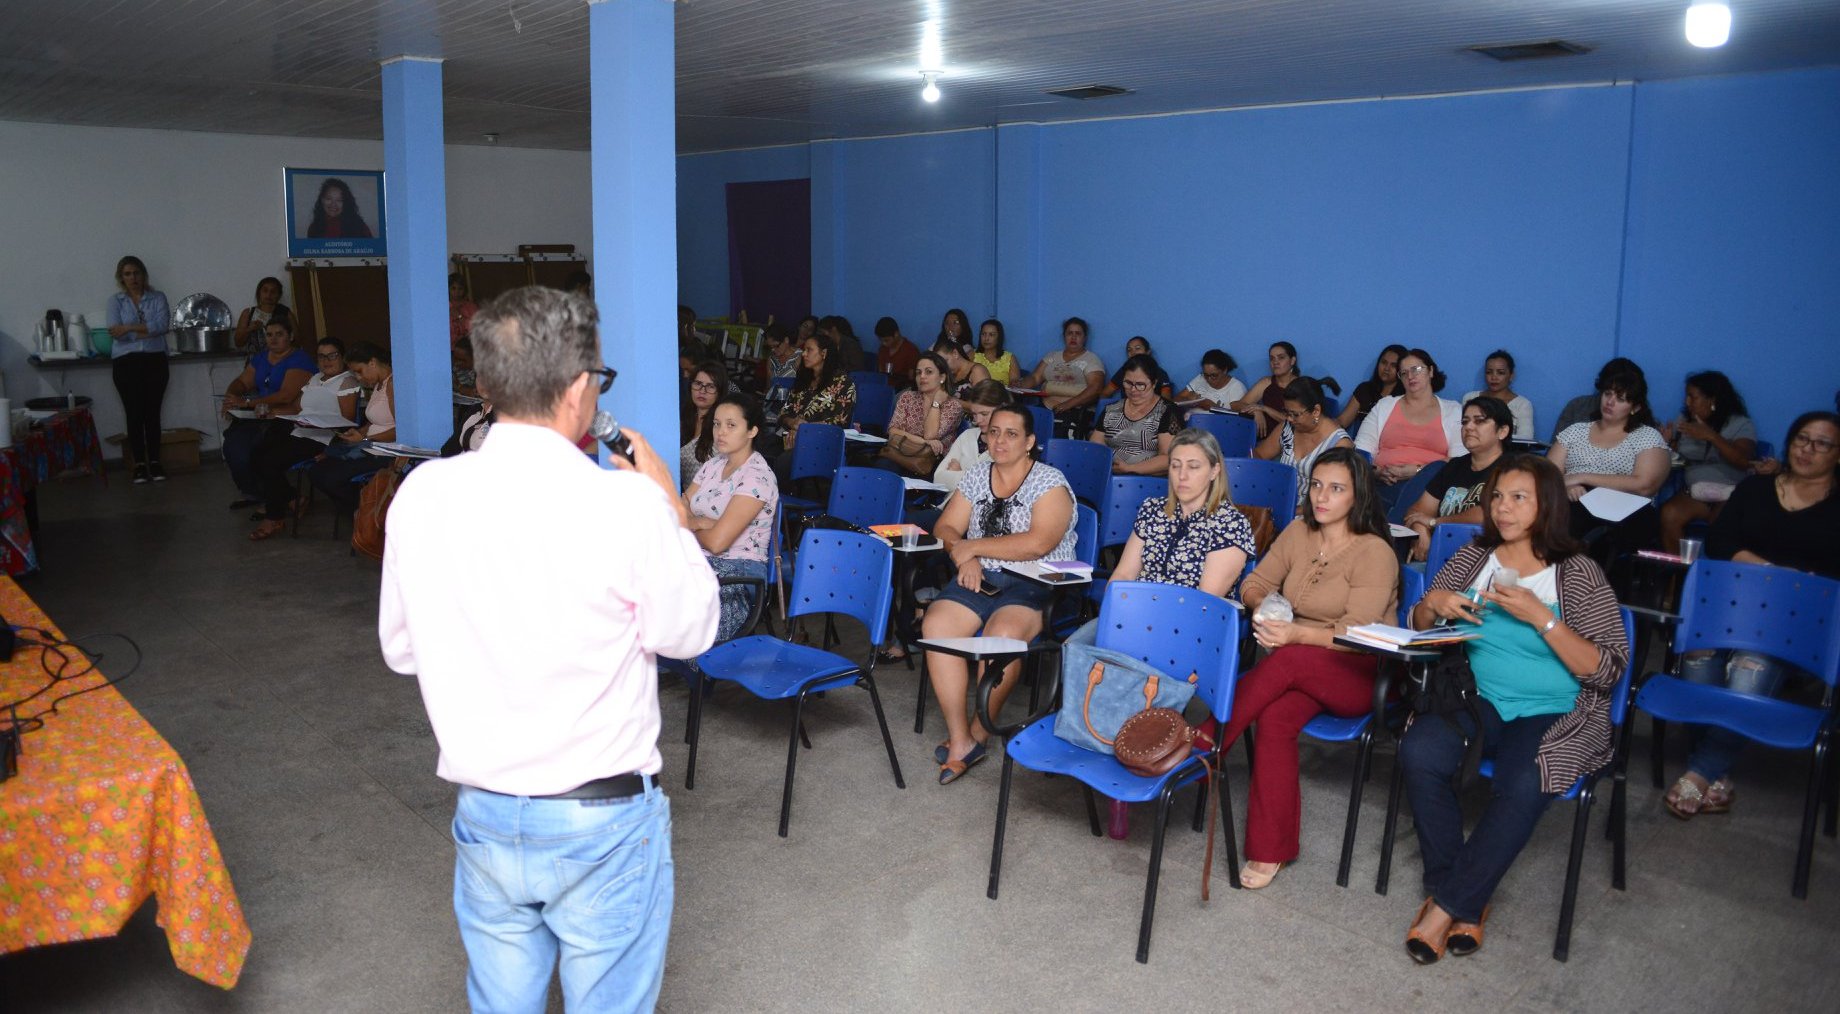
316	766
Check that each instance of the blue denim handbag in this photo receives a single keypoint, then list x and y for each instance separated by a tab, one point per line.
1100	688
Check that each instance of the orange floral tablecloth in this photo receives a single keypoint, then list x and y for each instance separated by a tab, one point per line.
101	814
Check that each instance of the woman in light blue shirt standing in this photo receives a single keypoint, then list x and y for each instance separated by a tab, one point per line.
138	321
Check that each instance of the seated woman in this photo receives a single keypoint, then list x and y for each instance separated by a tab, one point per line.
1336	567
1265	402
971	447
345	459
822	393
251	326
961	372
1305	435
1717	440
924	423
1140	346
780	366
1618	449
1215	384
333	391
1454	495
1406	432
1498	381
1383	384
708	382
1014	508
990	354
270	385
955	328
732	500
1551	651
460	309
1785	520
1139	429
1070	379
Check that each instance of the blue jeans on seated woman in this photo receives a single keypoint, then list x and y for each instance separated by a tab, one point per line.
591	878
1461	875
1715	750
737	600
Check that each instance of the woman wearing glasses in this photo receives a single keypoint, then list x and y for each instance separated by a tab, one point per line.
1013	508
1454	495
1305	435
1139	428
346	460
1786	520
332	391
708	382
1406	432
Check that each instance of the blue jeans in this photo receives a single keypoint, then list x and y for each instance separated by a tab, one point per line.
1462	875
737	600
1716	750
593	876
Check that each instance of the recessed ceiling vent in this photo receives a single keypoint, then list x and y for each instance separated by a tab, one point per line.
1091	91
1511	51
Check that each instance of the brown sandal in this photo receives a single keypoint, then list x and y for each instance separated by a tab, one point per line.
1465	938
1423	948
267	530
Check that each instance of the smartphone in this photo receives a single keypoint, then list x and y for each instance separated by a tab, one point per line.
986	588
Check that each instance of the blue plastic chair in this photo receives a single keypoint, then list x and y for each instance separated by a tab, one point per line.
817	455
1410	490
1087	466
1044	421
838	574
1445	541
1126	495
1327	728
1268	484
1788	615
1582	792
1236	433
867	496
868	378
874	407
1180	631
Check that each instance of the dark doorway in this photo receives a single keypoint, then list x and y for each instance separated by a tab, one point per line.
769	250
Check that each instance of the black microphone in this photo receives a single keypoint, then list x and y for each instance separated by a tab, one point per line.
606	429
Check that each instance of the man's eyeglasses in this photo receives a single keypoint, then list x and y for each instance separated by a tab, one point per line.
607	373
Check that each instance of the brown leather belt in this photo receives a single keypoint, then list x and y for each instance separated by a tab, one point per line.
615	787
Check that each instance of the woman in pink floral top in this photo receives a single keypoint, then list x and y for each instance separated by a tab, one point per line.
732	501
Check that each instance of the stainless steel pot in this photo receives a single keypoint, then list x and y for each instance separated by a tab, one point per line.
202	323
203	339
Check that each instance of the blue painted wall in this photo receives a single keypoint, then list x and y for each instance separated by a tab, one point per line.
1734	240
1681	223
702	215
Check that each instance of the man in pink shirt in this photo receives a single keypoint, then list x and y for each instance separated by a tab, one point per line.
537	660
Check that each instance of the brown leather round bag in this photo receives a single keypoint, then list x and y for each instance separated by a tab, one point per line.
1153	741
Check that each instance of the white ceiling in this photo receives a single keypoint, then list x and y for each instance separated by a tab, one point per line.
759	72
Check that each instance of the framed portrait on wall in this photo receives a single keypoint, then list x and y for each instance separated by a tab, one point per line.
334	212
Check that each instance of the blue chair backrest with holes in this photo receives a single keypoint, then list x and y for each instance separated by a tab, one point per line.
1236	433
1087	466
1044	421
818	453
874	406
1127	494
1268	484
1783	613
868	378
1086	535
846	573
866	496
1178	630
1445	541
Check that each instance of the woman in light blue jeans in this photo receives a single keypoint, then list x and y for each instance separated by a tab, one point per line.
1707	787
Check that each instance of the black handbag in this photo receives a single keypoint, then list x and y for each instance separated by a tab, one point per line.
1449	691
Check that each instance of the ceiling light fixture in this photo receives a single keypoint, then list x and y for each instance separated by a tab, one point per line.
931	91
1708	25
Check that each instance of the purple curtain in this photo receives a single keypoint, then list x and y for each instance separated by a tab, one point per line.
769	250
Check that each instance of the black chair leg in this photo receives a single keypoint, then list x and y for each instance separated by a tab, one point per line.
1225	792
887	740
1619	774
1392	825
1804	849
1092	810
803	738
1156	870
792	762
695	730
1562	944
1619	834
996	844
1833	791
1657	732
920	704
1201	801
1363	758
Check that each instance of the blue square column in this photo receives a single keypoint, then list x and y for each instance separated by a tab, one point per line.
415	196
633	103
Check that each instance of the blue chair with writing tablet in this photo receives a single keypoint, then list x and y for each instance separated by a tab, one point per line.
1087	466
839	573
1235	433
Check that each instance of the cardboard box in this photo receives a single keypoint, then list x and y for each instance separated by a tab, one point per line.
178	449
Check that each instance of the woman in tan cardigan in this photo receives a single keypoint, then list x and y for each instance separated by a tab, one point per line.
1337	569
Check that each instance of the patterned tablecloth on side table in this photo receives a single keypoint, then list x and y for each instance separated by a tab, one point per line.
101	815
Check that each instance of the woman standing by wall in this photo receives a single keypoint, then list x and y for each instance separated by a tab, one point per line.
138	322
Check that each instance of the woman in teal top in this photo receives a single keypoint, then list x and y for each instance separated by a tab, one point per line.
1551	651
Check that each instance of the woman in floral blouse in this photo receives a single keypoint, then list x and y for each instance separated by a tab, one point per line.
732	500
822	393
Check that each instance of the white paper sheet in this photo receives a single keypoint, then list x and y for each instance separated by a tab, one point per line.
978	645
1611	505
863	438
922	484
320	422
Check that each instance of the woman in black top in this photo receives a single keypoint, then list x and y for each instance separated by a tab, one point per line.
1454	494
1384	382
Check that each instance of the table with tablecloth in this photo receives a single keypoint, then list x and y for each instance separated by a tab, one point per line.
61	443
102	814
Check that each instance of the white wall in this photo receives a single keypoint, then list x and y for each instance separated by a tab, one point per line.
204	211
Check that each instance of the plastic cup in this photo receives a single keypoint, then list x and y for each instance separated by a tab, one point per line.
1690	549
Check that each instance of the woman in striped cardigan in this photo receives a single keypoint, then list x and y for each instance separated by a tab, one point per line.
1551	651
